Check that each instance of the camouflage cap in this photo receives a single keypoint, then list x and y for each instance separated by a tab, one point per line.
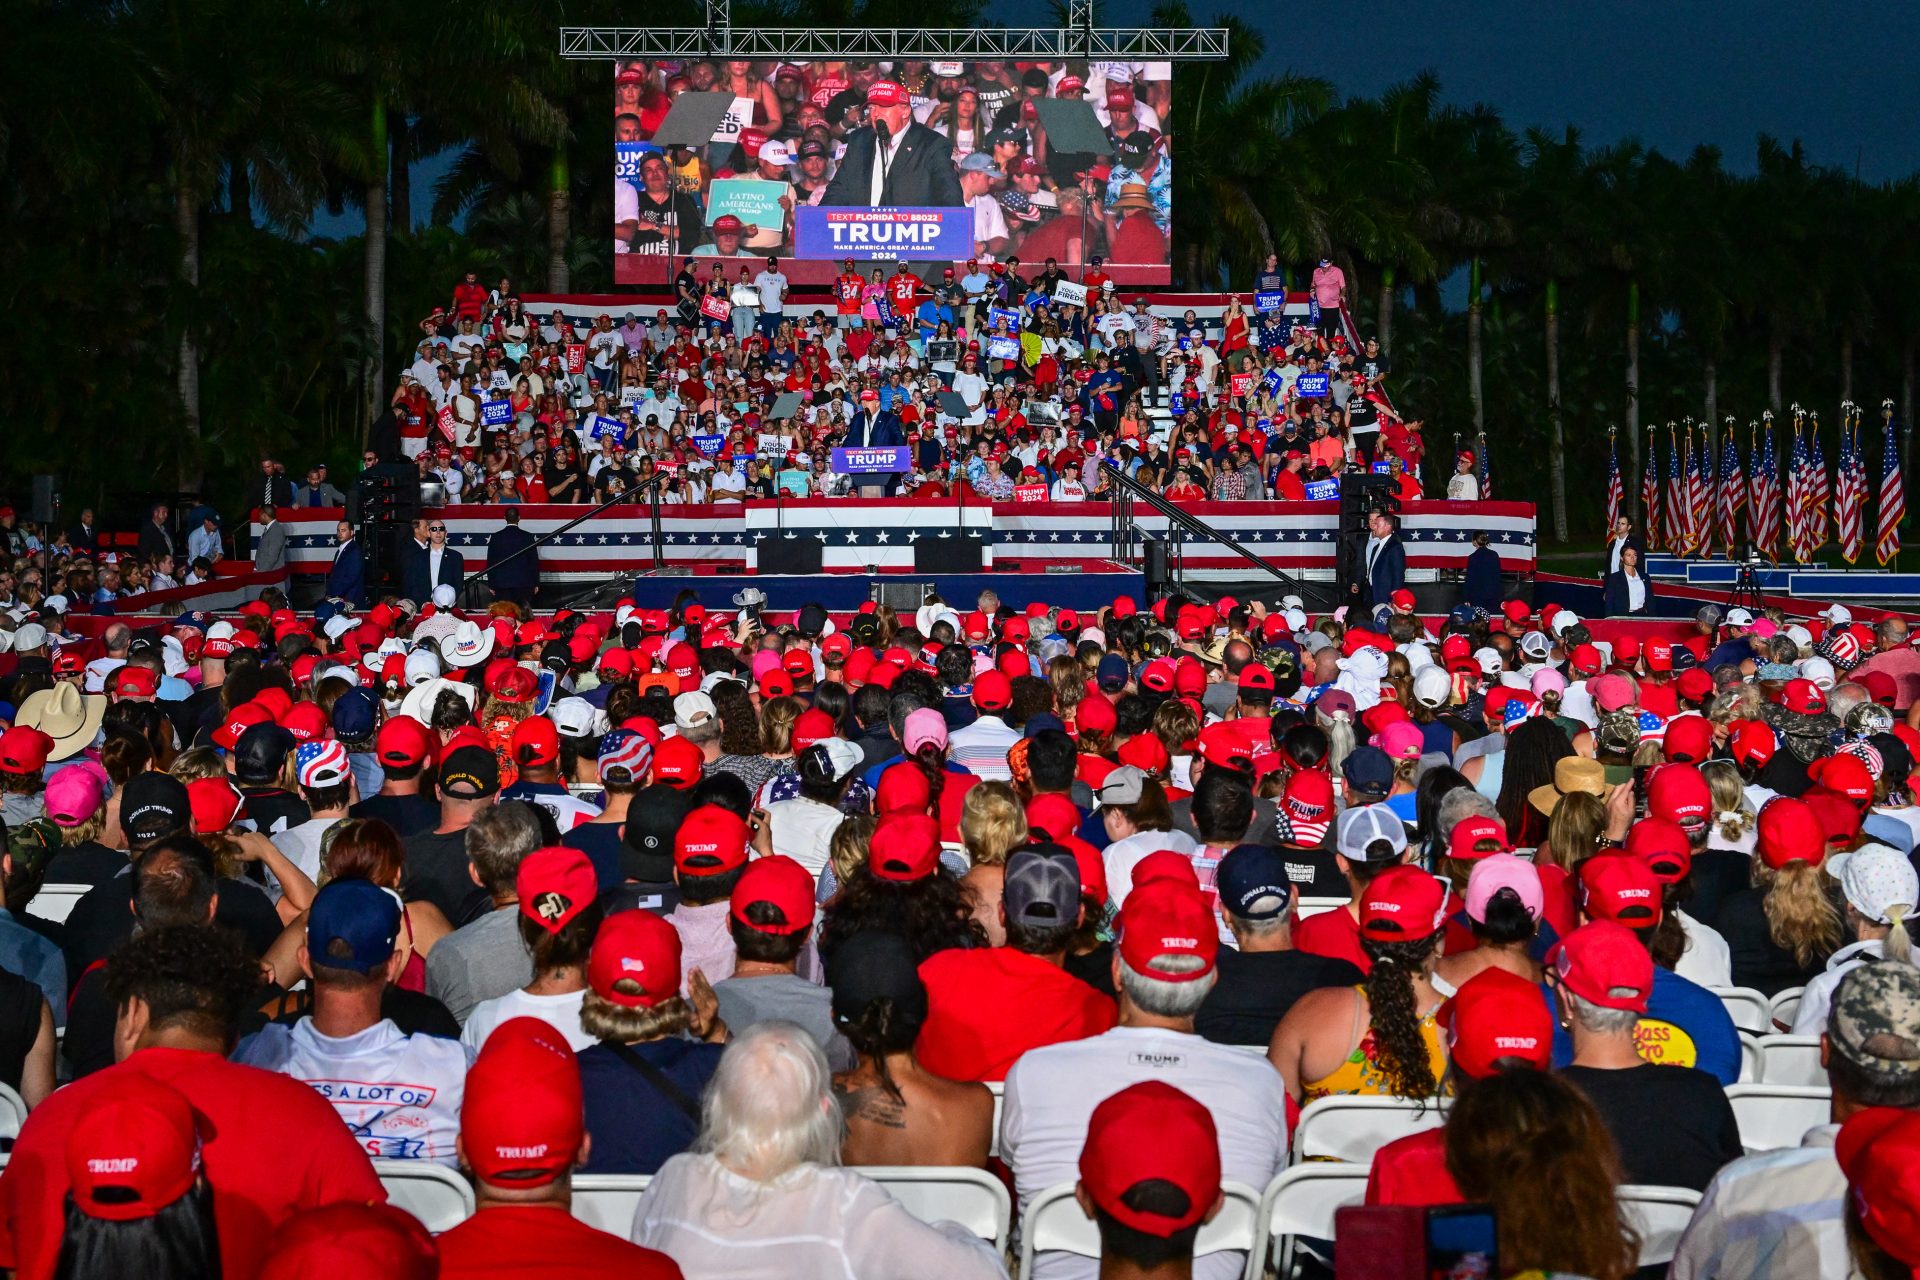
1875	1020
33	844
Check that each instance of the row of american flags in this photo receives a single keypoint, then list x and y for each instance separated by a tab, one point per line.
1699	505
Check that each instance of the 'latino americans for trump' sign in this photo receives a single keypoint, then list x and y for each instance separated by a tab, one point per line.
883	235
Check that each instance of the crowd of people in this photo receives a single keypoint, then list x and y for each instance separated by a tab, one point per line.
746	902
984	376
957	133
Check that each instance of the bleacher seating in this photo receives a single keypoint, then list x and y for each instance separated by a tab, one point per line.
1776	1116
1352	1127
440	1198
1054	1221
1791	1060
55	902
1747	1007
1660	1215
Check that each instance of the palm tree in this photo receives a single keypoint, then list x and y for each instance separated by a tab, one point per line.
1625	248
1477	160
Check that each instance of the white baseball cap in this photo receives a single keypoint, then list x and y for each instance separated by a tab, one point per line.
1875	878
1739	618
693	709
1837	614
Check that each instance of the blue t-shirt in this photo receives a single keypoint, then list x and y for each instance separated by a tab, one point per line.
1685	1024
602	844
635	1127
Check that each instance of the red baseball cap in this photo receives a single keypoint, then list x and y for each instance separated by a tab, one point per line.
1689	738
1846	775
1516	611
238	721
1165	864
1790	831
885	93
781	883
130	681
811	726
1603	963
1585	660
1658	654
1879	1152
1144	752
903	789
992	691
905	846
678	763
1679	792
1838	816
1226	746
1096	715
215	803
1402	904
711	841
798	663
1256	677
1752	742
639	949
1494	1016
1473	834
523	1118
535	742
1694	684
1402	600
1165	917
1803	697
1622	889
133	1153
555	884
1151	1132
24	750
1663	845
776	683
402	741
307	723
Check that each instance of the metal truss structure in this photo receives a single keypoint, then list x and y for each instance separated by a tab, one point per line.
720	39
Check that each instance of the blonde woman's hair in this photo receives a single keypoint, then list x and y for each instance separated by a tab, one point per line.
89	830
1175	724
196	763
1649	753
1733	817
1572	828
847	851
602	1019
1897	946
1801	917
992	823
1341	739
1068	680
776	723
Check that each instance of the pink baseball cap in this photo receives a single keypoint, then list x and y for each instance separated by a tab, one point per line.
1612	692
73	796
1402	740
924	726
1499	871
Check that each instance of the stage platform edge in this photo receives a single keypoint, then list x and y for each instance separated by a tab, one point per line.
1080	589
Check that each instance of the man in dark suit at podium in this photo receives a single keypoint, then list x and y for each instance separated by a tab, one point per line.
514	581
914	165
871	427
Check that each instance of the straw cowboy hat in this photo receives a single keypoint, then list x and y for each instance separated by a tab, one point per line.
63	713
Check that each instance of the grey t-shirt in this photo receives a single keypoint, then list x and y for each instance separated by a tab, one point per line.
478	962
786	998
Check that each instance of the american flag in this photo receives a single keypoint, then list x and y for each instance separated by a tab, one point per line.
1893	498
1819	490
1677	505
1486	472
1850	487
1616	491
1733	491
1650	492
1765	518
1699	496
1798	525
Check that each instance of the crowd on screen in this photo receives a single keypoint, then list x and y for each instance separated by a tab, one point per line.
973	133
747	902
980	372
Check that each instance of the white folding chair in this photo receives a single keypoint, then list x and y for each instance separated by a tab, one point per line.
13	1114
1791	1060
1749	1057
999	1088
607	1200
1784	1007
1660	1215
1054	1221
1747	1007
1314	906
1352	1127
973	1198
1302	1201
55	901
1773	1117
433	1193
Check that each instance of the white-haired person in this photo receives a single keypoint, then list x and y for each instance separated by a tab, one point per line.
762	1193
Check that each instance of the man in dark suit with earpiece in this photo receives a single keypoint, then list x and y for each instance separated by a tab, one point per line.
895	160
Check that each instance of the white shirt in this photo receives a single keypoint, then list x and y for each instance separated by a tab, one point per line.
772	287
809	1224
434	554
561	1012
972	388
301	845
1636	593
1068	489
1707	959
399	1094
1816	998
1051	1093
1463	486
802	829
1123	855
882	161
989	224
626	208
94	680
981	748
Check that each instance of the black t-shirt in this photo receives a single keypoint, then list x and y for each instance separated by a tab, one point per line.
103	919
1673	1126
1759	962
268	806
407	815
1313	872
1255	989
20	1005
86	863
437	873
602	844
1095	968
1718	874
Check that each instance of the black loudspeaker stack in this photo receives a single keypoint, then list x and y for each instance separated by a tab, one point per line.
777	554
46	502
382	508
1360	493
935	554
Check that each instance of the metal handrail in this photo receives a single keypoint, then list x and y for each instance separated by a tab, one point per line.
1123	522
648	487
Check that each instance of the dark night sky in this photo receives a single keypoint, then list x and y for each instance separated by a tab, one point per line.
1839	77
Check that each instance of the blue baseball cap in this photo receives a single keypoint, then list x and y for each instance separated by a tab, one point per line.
1253	882
1112	673
1369	770
353	715
352	924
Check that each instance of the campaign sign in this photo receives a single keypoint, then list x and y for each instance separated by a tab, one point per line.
709	445
496	413
1272	379
1270	300
1242	383
1003	348
576	357
1322	490
738	117
877	458
1176	404
1069	294
1311	386
997	316
1382	468
754	201
883	235
605	426
627	157
715	307
449	423
1029	493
